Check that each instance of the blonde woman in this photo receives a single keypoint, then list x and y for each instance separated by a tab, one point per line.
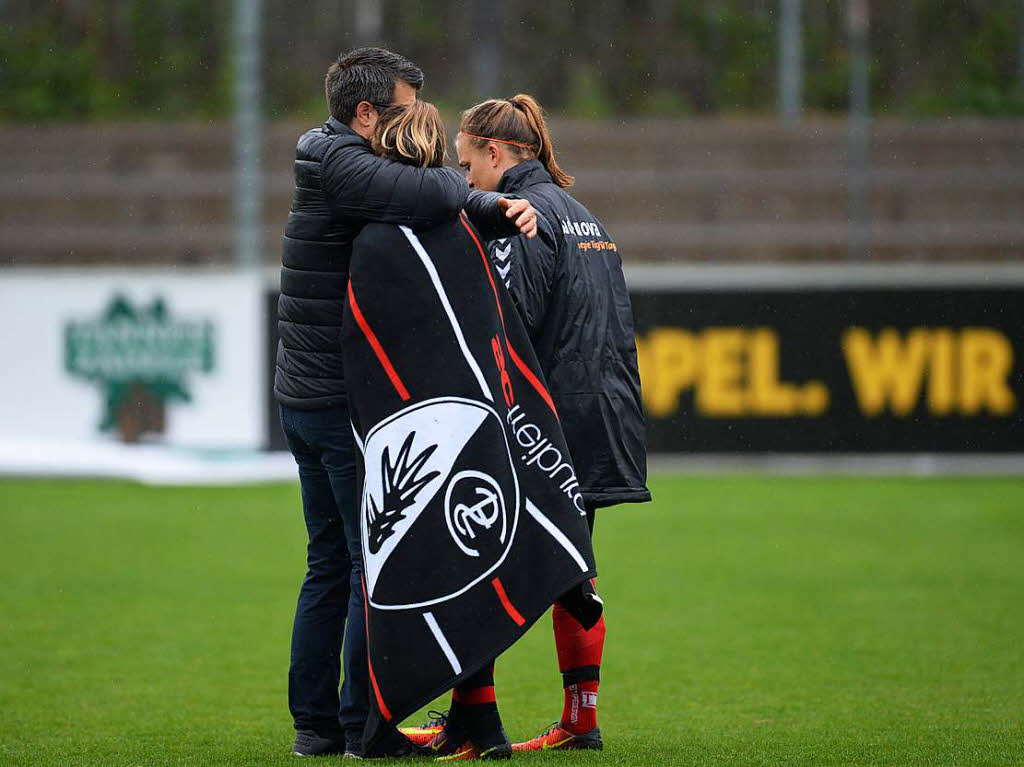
466	542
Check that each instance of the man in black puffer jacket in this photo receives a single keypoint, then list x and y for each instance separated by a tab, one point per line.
340	186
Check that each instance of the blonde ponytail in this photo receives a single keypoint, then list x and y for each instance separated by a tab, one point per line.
545	151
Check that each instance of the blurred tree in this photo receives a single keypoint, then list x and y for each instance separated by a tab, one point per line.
143	58
169	59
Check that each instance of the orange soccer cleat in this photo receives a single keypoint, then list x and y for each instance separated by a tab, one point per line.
425	733
556	737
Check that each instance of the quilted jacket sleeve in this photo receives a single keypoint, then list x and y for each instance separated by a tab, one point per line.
359	184
529	269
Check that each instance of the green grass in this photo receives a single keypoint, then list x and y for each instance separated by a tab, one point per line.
751	621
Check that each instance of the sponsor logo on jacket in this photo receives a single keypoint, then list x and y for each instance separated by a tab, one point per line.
581	228
501	255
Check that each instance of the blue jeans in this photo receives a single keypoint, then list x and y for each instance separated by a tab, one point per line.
331	599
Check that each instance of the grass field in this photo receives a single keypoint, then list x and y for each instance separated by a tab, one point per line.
751	621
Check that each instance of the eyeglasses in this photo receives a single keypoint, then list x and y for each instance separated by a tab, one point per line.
381	107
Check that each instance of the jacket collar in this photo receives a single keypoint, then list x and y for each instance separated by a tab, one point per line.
527	173
336	126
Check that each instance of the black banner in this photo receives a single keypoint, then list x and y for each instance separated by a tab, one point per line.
861	370
844	370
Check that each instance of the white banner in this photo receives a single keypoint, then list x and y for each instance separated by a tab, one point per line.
174	358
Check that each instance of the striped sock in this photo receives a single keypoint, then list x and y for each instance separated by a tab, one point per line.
579	659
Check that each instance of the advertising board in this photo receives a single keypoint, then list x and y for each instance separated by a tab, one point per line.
133	356
835	365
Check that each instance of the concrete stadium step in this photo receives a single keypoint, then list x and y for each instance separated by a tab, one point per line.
713	144
645	241
699	196
725	189
141	245
762	144
895	196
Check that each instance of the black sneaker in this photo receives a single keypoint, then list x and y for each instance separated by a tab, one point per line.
472	732
392	743
309	743
353	749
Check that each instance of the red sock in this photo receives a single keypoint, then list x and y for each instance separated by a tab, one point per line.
476	689
579	660
579	714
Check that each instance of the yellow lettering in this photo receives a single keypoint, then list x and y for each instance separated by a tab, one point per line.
986	360
814	398
668	364
887	371
768	395
737	372
720	392
941	373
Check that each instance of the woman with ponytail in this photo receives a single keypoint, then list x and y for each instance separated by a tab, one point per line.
518	125
571	293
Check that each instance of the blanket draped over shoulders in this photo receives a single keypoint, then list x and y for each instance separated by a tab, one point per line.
471	518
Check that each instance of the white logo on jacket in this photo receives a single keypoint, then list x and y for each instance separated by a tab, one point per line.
581	228
502	259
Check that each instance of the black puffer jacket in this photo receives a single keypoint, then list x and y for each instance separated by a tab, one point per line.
570	290
340	186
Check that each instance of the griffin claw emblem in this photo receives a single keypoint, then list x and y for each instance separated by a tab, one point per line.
401	482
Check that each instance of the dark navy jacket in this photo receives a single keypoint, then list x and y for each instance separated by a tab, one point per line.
571	293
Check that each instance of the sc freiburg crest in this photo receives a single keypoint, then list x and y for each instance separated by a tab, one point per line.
401	480
436	490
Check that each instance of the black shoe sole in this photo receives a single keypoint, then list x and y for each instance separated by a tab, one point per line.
504	751
590	741
311	744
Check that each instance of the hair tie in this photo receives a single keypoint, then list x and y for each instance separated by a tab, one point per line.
498	140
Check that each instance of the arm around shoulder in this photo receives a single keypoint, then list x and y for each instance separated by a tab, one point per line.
487	216
359	184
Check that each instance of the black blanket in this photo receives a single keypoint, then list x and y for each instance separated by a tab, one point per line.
472	521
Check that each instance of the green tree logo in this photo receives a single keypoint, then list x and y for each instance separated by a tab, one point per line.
141	358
